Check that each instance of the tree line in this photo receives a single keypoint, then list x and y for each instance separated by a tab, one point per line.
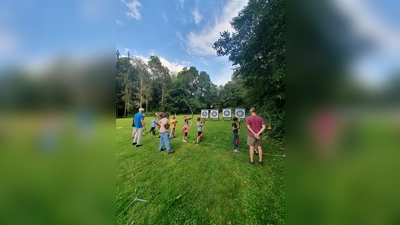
257	51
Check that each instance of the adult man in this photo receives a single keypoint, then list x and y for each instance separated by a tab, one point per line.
255	125
140	126
164	128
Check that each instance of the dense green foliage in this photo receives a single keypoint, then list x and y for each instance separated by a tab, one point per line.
257	49
151	85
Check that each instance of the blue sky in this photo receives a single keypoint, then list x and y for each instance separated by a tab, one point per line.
34	32
180	32
379	21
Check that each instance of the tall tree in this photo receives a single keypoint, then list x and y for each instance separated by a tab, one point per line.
143	82
161	81
125	75
257	49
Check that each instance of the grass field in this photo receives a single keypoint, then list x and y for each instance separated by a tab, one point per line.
206	184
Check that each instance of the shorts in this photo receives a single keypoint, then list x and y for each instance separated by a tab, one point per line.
199	133
134	129
251	141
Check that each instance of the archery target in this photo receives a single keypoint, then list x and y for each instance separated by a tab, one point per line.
214	114
204	113
226	113
240	113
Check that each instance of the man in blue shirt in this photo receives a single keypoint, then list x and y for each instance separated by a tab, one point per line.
140	127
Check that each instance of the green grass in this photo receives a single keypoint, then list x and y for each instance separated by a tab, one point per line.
206	184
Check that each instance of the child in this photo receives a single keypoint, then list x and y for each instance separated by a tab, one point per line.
173	122
199	130
185	129
153	126
235	129
164	140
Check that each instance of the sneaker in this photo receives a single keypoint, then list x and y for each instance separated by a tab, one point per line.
170	151
138	145
183	140
235	150
251	163
162	149
261	163
134	143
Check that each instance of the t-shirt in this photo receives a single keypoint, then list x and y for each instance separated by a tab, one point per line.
138	120
172	122
199	126
234	126
255	122
153	123
162	122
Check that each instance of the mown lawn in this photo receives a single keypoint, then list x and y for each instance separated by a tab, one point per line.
206	184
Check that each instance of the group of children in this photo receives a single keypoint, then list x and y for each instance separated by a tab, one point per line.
167	129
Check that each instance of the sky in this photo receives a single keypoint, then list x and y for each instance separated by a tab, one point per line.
180	32
379	21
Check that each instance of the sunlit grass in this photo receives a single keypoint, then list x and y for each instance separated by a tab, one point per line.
206	184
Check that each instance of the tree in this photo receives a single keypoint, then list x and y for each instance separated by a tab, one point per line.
257	49
161	81
125	75
143	93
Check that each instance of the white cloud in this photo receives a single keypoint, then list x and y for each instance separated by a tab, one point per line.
197	16
224	76
200	43
133	9
165	17
119	23
174	67
181	3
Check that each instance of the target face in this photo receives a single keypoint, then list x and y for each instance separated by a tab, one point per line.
204	113
226	112
214	113
240	113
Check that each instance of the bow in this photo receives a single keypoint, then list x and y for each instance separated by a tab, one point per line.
269	128
192	117
239	126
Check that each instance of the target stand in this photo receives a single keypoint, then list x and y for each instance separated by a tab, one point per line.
214	114
204	114
226	113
